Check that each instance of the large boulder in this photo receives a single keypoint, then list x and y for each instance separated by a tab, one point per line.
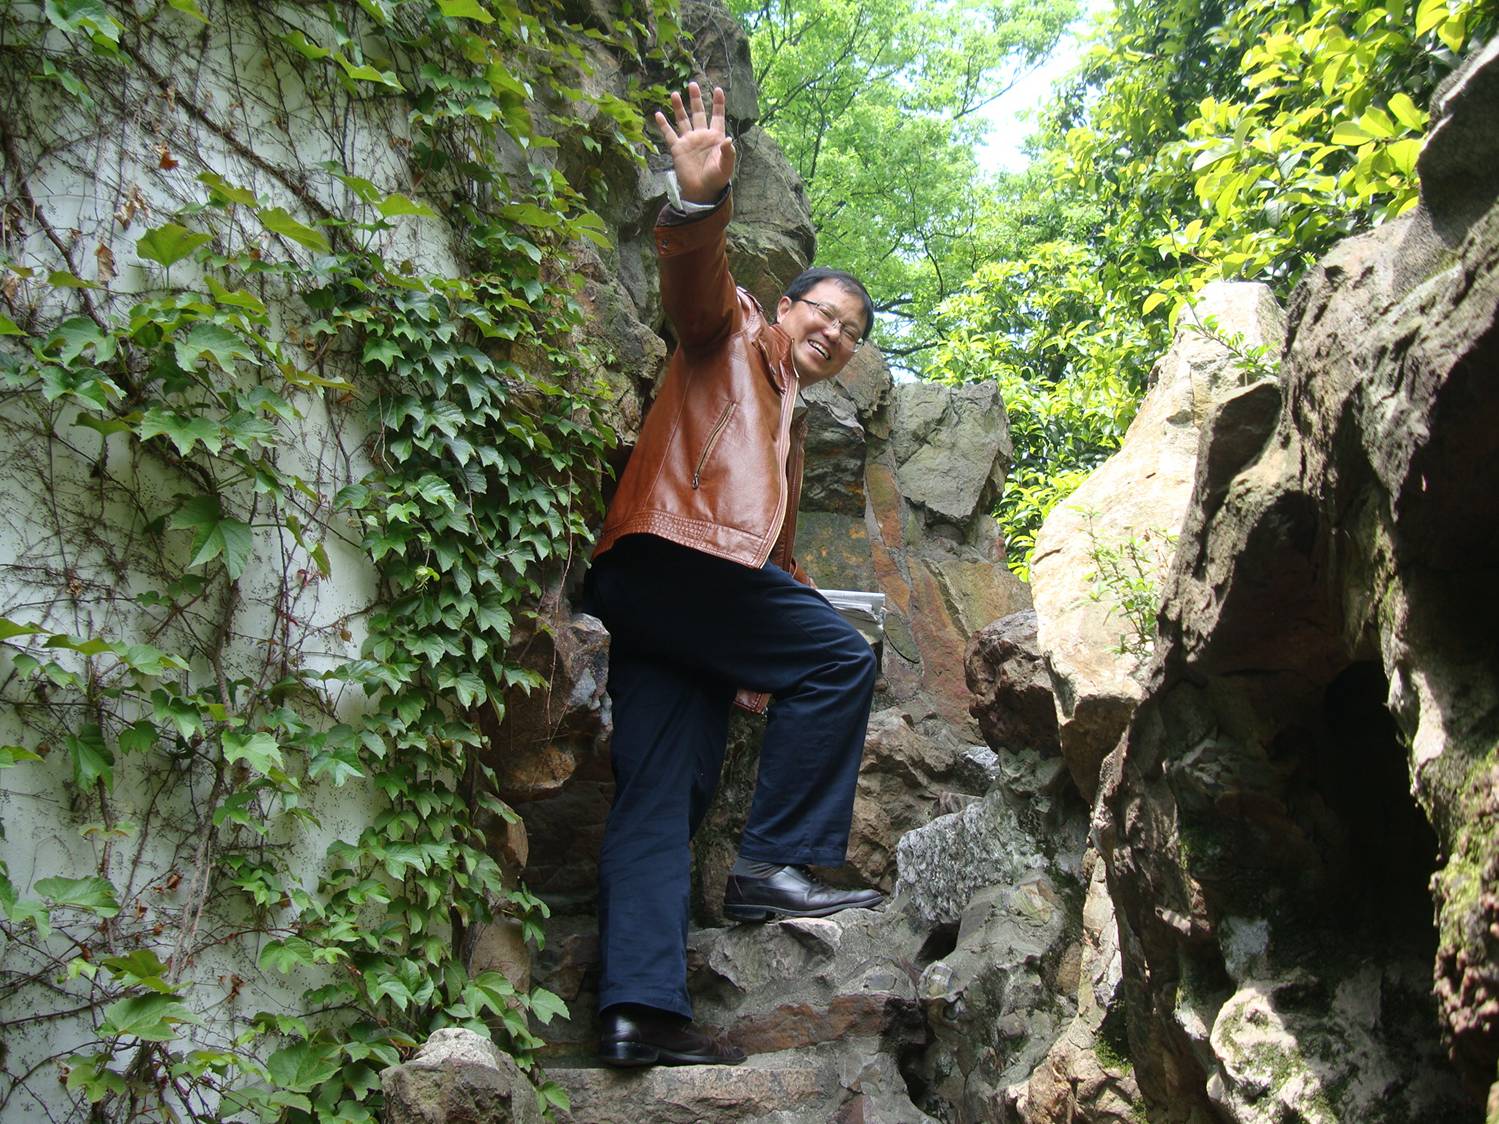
1309	779
1012	697
996	1002
1116	531
457	1077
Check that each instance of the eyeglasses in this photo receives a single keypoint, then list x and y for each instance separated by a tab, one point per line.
829	316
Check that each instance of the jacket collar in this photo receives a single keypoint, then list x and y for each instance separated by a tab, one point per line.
774	344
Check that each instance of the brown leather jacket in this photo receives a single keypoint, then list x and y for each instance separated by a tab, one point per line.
718	465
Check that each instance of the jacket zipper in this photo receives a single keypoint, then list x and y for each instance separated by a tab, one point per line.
713	437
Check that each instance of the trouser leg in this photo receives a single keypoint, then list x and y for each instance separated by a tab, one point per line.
764	630
670	726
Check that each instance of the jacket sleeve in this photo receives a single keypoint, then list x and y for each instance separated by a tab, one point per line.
697	291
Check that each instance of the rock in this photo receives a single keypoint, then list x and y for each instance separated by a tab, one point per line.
833	480
856	963
951	445
458	1078
903	776
1308	1048
1459	160
773	1088
771	238
721	49
500	946
942	865
534	751
1308	779
1130	509
1086	1074
1012	698
993	1003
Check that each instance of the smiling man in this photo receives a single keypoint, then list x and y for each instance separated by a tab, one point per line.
695	578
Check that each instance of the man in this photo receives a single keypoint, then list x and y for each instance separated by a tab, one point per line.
694	578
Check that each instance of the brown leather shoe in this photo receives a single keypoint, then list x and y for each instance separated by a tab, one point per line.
633	1035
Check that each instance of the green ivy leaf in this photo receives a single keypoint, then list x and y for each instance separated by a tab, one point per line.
169	244
140	968
528	214
151	1018
397	204
303	1065
70	81
138	737
10	628
62	279
363	72
259	751
546	1006
221	191
385	352
91	1076
465	10
88	16
288	955
92	894
215	341
74	336
189	8
92	759
305	46
280	221
183	432
8	327
16	755
214	533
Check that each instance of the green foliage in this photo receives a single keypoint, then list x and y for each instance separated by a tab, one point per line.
192	395
1127	582
1195	142
875	105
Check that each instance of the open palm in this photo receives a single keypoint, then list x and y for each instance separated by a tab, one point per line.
701	151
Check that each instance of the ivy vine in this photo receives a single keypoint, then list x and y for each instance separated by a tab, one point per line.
282	389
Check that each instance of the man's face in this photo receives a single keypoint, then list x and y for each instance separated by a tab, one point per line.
818	346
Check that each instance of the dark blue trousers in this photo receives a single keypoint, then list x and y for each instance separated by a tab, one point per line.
686	629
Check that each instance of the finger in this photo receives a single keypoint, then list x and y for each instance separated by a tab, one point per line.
727	157
718	109
680	111
695	100
668	134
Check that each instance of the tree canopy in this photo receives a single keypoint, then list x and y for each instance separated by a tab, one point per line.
876	104
1198	140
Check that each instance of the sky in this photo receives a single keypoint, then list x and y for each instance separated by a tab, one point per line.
1011	116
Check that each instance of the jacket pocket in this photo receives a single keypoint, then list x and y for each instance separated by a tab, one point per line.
713	436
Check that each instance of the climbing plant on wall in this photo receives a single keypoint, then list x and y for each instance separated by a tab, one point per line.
299	421
1195	142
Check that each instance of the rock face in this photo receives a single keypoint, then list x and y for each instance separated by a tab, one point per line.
1122	521
1327	651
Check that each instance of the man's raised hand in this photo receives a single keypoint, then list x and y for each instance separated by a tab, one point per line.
700	149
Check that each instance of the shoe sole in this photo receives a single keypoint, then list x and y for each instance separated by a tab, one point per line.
635	1055
767	913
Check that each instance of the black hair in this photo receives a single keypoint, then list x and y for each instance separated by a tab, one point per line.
808	278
